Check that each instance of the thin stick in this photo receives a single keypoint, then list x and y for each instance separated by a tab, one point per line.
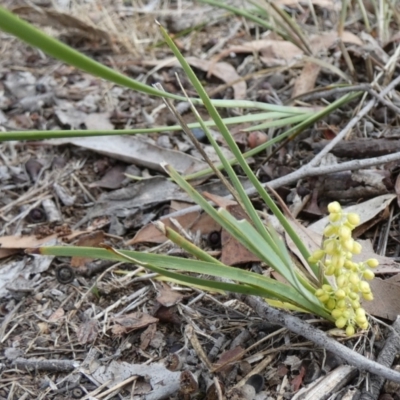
318	337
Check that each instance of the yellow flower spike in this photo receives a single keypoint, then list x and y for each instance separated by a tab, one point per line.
341	322
350	331
368	275
334	207
356	248
372	262
353	219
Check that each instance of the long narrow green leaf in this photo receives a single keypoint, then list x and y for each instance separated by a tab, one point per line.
255	243
290	132
42	135
245	200
274	288
273	256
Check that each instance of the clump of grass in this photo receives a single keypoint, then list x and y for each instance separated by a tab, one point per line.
299	293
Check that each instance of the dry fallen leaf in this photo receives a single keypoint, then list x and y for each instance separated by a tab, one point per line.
386	302
191	222
112	179
58	314
135	150
222	70
147	336
168	297
228	358
131	322
87	331
233	252
305	82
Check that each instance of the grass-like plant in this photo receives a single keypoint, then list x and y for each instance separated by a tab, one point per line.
302	290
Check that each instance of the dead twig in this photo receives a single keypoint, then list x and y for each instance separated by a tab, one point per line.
46	365
323	93
386	358
318	337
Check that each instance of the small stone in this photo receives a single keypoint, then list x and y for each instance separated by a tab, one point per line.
200	135
369	126
277	80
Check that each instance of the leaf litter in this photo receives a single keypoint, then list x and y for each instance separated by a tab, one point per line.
54	330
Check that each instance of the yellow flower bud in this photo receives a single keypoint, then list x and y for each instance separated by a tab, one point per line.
341	304
330	230
346	314
335	217
334	207
350	331
348	264
330	270
318	254
353	278
344	233
336	313
354	296
356	248
368	275
364	287
330	247
353	218
368	296
319	293
327	288
364	326
348	244
341	281
324	298
331	304
341	322
360	312
372	263
360	320
355	304
340	294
